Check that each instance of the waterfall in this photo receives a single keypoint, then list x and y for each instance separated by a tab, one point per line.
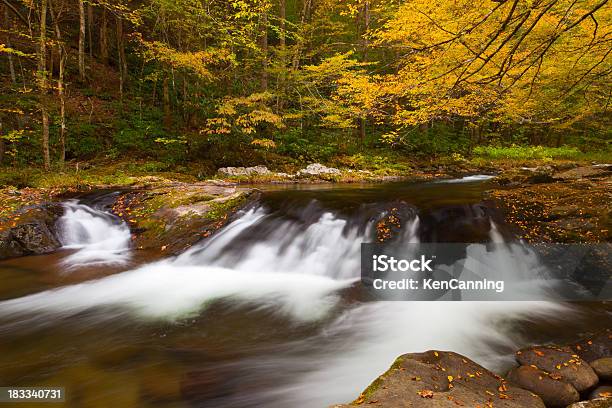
97	236
296	267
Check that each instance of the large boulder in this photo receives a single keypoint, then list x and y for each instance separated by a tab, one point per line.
317	170
603	368
561	363
553	391
596	403
244	171
442	379
31	231
594	347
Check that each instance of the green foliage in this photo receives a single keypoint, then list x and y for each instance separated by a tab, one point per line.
528	152
295	144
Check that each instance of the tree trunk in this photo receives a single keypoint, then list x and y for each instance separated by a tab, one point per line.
167	111
8	44
45	138
60	86
300	40
89	29
42	82
121	53
264	51
2	148
104	38
81	40
121	49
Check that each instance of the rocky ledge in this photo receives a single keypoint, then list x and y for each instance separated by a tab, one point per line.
557	203
574	376
171	218
165	216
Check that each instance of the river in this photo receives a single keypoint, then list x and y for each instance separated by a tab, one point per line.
266	313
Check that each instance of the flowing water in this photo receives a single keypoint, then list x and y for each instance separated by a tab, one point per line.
266	313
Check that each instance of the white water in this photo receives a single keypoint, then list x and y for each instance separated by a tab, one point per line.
296	271
468	179
97	237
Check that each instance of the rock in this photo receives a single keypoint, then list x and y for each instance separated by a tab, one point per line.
443	379
171	218
596	403
594	347
603	391
603	368
30	232
554	392
584	172
317	169
243	171
561	363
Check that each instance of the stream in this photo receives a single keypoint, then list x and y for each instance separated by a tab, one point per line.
266	313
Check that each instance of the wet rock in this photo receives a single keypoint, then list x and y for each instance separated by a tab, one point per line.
30	232
243	171
603	368
596	403
526	175
443	379
594	347
169	219
561	363
602	391
554	392
317	169
584	172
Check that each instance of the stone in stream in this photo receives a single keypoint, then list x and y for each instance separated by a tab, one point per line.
603	368
561	363
30	232
596	403
602	391
554	392
594	347
441	379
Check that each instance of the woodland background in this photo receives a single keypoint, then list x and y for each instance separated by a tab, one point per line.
193	85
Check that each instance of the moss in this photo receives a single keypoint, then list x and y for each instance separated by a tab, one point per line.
377	383
220	209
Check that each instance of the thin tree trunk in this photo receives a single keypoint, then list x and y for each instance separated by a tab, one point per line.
82	40
283	51
104	37
60	86
121	53
8	44
45	138
264	51
166	96
89	29
42	81
2	148
121	49
300	41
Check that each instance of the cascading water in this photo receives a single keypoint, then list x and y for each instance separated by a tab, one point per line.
97	236
299	265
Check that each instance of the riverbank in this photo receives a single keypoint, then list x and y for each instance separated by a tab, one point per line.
560	202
